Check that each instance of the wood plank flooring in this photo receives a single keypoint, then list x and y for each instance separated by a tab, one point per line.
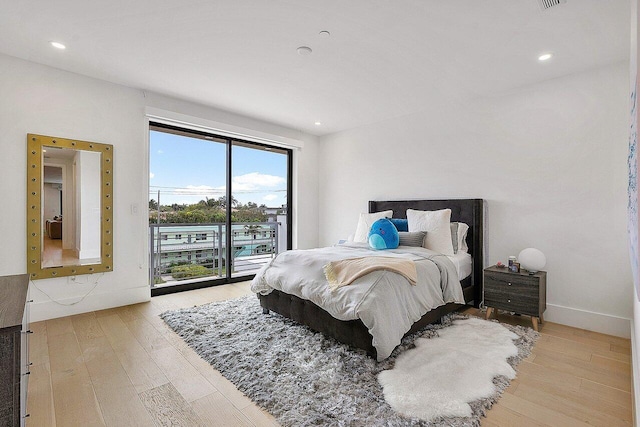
53	255
125	367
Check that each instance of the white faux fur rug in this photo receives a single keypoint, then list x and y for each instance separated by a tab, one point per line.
441	374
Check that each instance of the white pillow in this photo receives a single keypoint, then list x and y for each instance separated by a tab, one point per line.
365	222
459	232
462	237
436	224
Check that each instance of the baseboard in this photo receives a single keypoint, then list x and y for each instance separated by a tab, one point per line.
592	321
45	310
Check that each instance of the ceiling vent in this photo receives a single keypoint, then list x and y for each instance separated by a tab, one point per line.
548	4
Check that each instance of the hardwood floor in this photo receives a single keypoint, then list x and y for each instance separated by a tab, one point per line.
573	377
125	367
54	256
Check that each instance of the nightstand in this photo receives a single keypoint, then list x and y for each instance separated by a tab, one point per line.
521	293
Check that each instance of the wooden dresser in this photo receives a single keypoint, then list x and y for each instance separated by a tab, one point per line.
14	350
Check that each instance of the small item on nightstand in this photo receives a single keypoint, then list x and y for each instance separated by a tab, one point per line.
512	259
516	267
499	264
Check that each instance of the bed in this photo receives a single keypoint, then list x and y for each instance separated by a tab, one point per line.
354	332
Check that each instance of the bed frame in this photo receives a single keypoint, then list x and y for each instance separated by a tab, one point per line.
354	332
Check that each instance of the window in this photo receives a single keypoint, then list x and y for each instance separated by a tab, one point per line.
221	195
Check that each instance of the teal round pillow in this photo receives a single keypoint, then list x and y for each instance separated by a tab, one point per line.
383	235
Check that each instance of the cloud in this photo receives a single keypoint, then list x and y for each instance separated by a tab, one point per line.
160	152
256	181
199	190
151	175
249	183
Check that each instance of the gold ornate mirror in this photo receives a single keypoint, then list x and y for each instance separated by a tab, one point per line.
69	207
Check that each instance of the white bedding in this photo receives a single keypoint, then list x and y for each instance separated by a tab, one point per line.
463	264
385	301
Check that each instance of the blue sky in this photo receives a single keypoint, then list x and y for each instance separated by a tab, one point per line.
186	170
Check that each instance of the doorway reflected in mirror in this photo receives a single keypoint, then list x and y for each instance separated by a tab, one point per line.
70	185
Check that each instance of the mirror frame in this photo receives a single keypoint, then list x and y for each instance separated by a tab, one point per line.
35	144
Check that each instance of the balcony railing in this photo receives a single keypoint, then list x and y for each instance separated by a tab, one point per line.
181	253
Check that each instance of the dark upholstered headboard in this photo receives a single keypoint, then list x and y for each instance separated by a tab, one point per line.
469	211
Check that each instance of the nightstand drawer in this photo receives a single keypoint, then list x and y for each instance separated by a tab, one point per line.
512	285
517	304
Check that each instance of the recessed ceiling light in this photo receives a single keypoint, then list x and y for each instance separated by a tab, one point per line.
544	57
304	50
324	33
318	123
58	45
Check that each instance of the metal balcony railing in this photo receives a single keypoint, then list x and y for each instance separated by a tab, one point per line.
194	252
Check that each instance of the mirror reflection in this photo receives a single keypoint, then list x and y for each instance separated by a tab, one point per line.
70	207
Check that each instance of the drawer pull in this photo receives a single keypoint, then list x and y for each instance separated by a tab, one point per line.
509	283
508	300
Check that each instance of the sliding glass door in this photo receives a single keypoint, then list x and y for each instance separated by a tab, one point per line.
200	186
259	214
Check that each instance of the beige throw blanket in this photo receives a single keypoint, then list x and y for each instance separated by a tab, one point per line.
346	271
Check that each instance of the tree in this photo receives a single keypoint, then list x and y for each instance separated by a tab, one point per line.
223	201
217	215
248	215
212	203
205	211
252	229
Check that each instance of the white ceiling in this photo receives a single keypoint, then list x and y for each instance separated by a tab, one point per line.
384	58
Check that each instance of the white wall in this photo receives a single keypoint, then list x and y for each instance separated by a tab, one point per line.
634	219
89	185
549	159
51	200
43	100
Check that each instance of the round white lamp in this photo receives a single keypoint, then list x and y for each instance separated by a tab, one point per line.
532	260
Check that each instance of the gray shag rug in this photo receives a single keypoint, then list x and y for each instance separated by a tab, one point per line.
304	378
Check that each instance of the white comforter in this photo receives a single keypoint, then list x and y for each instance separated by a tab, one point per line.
385	301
